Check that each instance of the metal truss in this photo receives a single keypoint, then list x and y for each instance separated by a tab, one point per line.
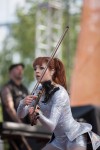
48	27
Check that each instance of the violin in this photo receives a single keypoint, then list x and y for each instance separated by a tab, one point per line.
48	89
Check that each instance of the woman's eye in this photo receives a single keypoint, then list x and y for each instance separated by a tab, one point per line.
34	69
41	68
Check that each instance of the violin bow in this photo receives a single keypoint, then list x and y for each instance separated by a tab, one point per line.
51	57
32	119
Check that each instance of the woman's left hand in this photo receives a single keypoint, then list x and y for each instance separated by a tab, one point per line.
34	115
31	110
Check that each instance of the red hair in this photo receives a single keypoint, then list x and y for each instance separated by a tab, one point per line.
59	76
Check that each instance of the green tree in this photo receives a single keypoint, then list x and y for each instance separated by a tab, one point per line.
72	19
24	35
21	40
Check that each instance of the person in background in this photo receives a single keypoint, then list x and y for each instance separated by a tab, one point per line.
11	94
54	111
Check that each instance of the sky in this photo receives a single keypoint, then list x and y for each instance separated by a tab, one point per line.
7	11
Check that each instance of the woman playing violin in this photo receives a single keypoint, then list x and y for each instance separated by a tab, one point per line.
54	111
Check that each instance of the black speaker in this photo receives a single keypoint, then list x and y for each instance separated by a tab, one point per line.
89	114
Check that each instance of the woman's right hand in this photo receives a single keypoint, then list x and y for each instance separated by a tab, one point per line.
28	99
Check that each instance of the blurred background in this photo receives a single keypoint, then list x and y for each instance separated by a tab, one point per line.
32	28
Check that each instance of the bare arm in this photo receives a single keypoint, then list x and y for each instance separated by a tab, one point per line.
7	100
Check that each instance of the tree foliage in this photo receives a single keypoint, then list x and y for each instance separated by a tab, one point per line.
72	19
21	40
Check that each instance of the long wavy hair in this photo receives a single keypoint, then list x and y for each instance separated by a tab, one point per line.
59	75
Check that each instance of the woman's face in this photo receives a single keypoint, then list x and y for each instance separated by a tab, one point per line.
38	71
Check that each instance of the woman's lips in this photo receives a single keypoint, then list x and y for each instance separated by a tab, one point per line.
37	76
